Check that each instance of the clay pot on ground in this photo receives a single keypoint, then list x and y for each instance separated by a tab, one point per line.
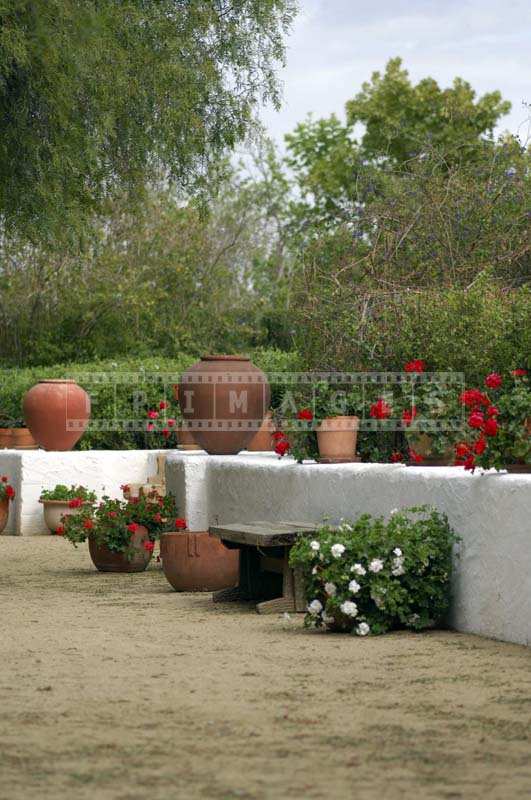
422	443
196	562
221	396
4	513
55	510
17	439
336	439
262	441
57	413
106	560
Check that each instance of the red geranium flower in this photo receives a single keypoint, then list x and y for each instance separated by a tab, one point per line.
476	419
415	457
165	432
88	524
163	404
417	365
171	422
462	449
76	502
472	398
180	524
305	414
480	446
4	478
409	415
10	492
282	447
277	435
60	530
493	381
125	487
518	373
470	463
149	545
491	427
153	414
132	527
493	411
396	457
380	409
157	517
150	427
112	514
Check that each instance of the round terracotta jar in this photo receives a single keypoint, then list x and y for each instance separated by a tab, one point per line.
57	413
336	438
4	513
196	562
225	398
106	560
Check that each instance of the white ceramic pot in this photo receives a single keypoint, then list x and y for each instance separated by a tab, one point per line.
54	510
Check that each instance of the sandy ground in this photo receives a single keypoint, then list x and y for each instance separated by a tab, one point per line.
114	686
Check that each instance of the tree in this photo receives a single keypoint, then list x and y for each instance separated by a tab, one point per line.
98	97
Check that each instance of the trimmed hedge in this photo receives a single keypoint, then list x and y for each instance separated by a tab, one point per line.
121	390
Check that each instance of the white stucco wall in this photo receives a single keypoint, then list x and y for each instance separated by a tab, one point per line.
103	471
491	512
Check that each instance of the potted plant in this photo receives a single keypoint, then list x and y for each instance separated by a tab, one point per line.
194	561
498	424
121	533
14	435
7	495
62	501
371	576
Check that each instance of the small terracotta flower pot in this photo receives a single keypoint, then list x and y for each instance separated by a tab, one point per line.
262	441
17	439
54	510
57	413
336	438
4	513
106	560
196	562
422	443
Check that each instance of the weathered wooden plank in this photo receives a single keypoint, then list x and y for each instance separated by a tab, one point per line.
262	534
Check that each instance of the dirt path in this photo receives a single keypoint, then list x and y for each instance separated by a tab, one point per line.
114	686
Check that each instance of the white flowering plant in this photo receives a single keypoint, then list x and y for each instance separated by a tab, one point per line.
373	575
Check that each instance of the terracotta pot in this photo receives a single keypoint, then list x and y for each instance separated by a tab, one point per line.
106	560
57	413
336	439
185	440
196	562
17	439
54	510
262	441
4	513
222	396
422	444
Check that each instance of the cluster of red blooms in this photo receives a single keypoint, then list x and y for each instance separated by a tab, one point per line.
153	415
6	491
482	418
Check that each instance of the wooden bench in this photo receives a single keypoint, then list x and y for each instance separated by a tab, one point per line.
265	573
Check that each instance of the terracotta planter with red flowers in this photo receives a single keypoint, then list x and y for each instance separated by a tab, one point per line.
57	413
196	562
7	495
17	439
336	439
423	454
135	559
220	396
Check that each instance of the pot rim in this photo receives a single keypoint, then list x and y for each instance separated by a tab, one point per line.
63	502
215	357
57	380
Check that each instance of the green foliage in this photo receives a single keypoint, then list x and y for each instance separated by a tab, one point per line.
374	576
61	492
99	96
113	522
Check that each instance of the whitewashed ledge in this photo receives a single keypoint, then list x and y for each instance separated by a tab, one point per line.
103	471
491	512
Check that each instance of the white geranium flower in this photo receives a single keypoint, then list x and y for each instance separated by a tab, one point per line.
354	587
315	545
397	571
358	569
345	527
349	608
376	565
362	629
397	551
393	511
327	619
338	550
398	566
315	608
314	571
330	588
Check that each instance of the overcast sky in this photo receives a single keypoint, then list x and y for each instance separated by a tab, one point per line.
336	44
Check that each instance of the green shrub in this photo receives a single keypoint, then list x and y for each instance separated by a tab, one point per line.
62	492
371	576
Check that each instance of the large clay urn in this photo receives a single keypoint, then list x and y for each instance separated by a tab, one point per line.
196	562
57	413
224	399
